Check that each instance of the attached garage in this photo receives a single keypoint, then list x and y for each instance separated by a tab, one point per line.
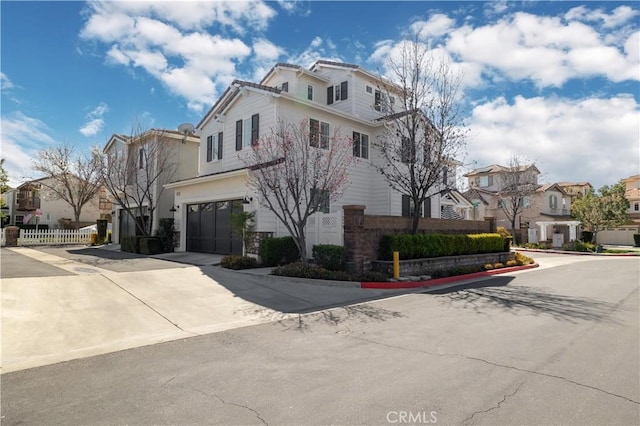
209	227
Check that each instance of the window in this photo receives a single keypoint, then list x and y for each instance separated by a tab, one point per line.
141	158
337	93
382	102
19	220
360	145
247	132
636	207
408	207
214	147
553	201
445	177
318	134
501	204
320	198
486	181
309	92
284	86
369	89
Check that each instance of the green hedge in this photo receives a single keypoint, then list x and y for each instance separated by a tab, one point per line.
330	256
236	261
278	251
130	244
150	245
420	246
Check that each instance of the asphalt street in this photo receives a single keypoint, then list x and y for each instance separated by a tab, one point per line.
554	345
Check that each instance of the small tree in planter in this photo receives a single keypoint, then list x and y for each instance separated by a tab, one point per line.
243	226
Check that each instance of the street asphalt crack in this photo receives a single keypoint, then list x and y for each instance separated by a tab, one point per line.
233	404
149	306
495	407
523	370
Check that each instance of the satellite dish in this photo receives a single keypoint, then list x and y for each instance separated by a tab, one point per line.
186	129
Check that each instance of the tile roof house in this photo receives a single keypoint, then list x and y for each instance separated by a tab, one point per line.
331	96
632	193
547	208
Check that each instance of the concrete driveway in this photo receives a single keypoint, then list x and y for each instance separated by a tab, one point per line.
60	304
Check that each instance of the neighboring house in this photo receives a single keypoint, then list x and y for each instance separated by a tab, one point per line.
576	189
547	210
182	153
32	203
329	96
632	193
7	206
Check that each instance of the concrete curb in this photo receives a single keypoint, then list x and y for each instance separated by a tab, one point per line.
577	253
445	280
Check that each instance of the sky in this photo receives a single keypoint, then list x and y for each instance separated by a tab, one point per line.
555	83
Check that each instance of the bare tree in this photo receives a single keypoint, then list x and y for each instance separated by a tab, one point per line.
134	174
424	129
74	179
518	182
297	172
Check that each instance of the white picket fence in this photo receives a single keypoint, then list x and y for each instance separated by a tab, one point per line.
39	237
324	228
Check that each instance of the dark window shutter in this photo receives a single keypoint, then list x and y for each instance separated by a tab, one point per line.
239	135
209	148
255	129
343	90
329	95
220	146
427	207
405	206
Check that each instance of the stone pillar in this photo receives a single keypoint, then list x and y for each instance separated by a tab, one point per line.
492	223
353	227
11	234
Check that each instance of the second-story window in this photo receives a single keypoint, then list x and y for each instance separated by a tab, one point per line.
214	147
553	201
486	181
247	132
284	86
318	134
338	92
360	145
141	158
309	92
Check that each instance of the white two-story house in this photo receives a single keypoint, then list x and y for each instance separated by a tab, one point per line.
157	156
329	96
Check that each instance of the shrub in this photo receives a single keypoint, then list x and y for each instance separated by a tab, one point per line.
587	236
166	232
235	261
278	251
374	276
330	256
93	239
636	240
511	263
418	246
299	270
150	245
488	267
579	246
521	259
503	231
130	244
498	265
108	240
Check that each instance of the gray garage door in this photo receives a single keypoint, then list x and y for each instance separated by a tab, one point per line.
209	227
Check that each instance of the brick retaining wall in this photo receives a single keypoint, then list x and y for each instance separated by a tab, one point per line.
433	264
362	233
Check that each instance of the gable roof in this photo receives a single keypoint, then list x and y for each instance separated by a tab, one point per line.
477	194
131	139
496	168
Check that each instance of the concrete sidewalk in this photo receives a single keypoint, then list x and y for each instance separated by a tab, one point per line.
95	302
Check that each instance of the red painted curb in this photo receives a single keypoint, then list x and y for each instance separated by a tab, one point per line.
445	280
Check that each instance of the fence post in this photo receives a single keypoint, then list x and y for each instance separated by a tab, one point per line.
11	236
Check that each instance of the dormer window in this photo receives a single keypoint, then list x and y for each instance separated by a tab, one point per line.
283	87
337	93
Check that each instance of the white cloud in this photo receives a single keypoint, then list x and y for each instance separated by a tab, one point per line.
548	50
176	42
592	139
319	48
95	121
20	138
5	83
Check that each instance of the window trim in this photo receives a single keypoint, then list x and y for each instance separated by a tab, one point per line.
310	92
317	137
358	144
